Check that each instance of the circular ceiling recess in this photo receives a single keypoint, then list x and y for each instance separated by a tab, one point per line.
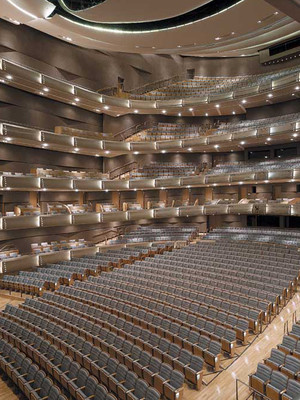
202	12
79	5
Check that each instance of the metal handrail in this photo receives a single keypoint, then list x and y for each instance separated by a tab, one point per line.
253	393
156	85
127	132
118	171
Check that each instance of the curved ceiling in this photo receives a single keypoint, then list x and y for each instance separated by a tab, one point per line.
208	28
132	11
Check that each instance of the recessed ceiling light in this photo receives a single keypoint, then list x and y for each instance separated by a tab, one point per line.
244	101
269	139
163	151
45	89
179	114
191	109
45	145
107	152
243	55
135	152
217	38
217	105
233	33
270	95
153	47
259	21
276	13
76	149
73	103
97	110
190	149
77	99
136	111
9	77
243	143
295	134
164	111
106	108
179	46
297	87
233	112
206	114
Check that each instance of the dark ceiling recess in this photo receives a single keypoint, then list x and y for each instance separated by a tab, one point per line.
77	5
209	9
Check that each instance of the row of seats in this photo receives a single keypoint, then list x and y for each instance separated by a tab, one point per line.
241	167
107	357
66	272
155	234
27	376
164	170
59	173
277	376
259	235
205	86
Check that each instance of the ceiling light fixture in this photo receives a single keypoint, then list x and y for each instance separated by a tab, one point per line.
191	109
9	77
244	101
106	108
77	99
179	114
217	105
270	95
164	111
136	111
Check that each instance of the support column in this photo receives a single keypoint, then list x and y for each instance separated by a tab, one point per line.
33	198
208	194
186	195
81	198
243	192
140	198
116	199
163	196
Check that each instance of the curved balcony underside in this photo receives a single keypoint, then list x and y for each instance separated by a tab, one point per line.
235	141
35	82
94	218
